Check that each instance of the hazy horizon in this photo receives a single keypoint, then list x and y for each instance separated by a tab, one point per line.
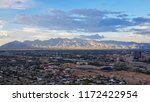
44	19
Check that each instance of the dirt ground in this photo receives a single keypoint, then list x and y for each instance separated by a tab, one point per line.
133	78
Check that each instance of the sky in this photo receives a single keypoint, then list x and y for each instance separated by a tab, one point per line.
121	20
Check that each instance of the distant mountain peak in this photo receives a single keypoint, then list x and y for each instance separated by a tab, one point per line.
15	45
75	43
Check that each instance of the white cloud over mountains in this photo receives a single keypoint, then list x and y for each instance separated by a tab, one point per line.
91	37
76	22
84	20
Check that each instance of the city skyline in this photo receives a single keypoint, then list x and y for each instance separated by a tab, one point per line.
37	19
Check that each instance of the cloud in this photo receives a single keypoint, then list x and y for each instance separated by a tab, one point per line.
141	20
139	25
2	32
87	21
1	24
123	15
91	37
88	12
54	34
31	33
13	4
142	29
81	20
30	30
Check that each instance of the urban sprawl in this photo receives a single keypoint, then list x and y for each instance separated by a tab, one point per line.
74	67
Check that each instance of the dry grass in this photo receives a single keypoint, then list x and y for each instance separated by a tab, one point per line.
133	78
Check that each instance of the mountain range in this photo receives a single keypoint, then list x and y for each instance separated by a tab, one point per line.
75	43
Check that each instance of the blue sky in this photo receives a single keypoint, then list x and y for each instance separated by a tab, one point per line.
124	20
